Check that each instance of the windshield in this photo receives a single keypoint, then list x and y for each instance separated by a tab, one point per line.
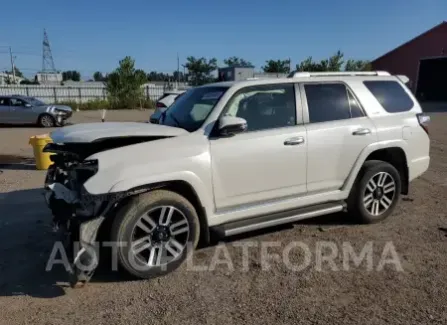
190	110
34	101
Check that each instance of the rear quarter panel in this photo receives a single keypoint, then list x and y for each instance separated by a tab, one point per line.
403	127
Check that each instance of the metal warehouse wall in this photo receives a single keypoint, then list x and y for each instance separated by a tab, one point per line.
405	59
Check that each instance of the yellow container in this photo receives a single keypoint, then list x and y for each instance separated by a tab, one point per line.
42	158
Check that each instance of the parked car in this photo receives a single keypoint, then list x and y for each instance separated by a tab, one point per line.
163	103
22	109
235	157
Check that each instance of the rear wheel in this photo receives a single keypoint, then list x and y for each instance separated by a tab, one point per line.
375	193
46	121
155	232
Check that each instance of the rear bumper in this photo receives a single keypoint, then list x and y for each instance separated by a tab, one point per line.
418	166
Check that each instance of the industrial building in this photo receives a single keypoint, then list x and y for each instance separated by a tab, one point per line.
422	59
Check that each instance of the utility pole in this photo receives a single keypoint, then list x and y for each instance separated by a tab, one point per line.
178	70
12	66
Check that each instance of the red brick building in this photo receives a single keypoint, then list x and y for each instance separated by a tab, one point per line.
423	60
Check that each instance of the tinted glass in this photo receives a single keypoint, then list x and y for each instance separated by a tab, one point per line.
390	95
264	107
4	102
356	110
327	102
35	101
191	110
17	102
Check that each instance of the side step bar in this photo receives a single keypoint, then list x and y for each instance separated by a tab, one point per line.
279	218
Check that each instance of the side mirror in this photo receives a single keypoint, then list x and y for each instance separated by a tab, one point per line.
28	105
231	125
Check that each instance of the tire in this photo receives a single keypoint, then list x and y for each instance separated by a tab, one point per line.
142	216
384	195
46	121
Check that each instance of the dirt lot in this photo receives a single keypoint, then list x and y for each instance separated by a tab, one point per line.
418	295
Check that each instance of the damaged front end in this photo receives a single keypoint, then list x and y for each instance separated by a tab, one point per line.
77	215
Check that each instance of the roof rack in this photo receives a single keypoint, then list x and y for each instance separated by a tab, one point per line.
296	74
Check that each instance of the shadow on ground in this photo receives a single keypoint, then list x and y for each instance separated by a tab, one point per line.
28	240
26	243
14	162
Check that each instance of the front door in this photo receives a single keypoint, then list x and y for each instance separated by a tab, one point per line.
268	161
20	113
337	131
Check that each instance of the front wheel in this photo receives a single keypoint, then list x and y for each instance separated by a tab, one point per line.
46	121
375	193
155	232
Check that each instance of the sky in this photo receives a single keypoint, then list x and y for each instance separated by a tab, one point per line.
93	35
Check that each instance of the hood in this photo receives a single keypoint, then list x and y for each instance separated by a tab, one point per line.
52	108
88	132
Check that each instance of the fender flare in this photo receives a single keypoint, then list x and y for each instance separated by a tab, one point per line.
365	153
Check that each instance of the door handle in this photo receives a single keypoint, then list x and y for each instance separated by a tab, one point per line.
361	132
294	141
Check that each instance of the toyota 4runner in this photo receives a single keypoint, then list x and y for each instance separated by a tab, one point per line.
233	157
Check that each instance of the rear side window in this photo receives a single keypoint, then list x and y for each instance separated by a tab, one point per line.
331	102
391	95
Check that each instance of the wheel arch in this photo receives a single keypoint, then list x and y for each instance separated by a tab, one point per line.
180	187
392	152
398	159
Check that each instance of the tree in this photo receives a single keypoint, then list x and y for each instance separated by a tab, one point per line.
17	72
308	65
277	66
29	82
124	84
98	76
71	75
200	70
157	76
178	75
358	65
334	63
235	61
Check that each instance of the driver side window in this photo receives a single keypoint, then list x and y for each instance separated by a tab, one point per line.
17	102
264	107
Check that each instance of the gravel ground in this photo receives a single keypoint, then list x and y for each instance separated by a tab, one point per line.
416	295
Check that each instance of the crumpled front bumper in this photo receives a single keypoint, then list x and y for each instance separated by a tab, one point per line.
78	225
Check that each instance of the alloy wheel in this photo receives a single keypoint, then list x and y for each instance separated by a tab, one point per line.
160	236
379	193
46	121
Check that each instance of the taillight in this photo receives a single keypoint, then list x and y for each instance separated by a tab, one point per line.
424	121
160	105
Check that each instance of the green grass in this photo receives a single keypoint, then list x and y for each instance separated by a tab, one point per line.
104	104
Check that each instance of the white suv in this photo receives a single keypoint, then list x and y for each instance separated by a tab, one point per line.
234	157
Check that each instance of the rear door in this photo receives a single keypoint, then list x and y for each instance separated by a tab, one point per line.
337	132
